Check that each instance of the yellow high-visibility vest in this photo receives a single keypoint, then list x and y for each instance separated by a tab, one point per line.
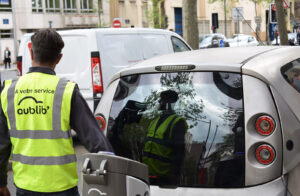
37	108
158	149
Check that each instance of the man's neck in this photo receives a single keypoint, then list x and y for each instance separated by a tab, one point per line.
35	64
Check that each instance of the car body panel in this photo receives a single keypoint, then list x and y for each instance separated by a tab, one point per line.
291	132
258	101
273	188
267	68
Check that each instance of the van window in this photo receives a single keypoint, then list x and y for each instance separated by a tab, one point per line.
188	127
291	73
178	45
154	45
120	50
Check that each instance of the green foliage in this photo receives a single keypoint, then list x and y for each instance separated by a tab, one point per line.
157	14
187	106
134	135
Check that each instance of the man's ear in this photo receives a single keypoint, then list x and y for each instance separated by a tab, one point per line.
31	54
58	59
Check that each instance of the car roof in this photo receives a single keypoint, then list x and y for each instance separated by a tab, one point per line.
113	31
262	62
257	61
223	59
121	30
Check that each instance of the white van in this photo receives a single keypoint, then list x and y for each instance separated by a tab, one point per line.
92	56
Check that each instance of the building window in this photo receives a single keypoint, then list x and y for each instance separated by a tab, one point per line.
5	5
52	6
7	33
37	6
70	6
86	6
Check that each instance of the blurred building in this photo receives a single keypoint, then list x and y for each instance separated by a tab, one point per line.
251	14
30	15
132	13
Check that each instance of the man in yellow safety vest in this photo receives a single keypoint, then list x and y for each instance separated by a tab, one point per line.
37	114
165	142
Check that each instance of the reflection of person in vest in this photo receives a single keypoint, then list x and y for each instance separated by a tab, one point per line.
164	147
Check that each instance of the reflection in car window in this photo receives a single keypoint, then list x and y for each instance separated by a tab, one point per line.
178	45
291	72
188	127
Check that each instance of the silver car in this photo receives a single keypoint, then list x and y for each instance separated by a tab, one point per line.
240	114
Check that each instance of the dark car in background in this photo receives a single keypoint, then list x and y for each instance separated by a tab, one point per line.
213	41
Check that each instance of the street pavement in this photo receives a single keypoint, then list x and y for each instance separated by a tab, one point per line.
8	73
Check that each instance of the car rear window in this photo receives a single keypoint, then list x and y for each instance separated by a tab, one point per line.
188	127
291	73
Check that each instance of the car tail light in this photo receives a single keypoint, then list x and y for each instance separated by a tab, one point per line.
265	125
265	154
96	73
19	65
101	121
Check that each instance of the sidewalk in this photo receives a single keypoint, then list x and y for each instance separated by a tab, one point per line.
12	67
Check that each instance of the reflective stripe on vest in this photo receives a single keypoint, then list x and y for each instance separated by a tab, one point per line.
37	107
158	151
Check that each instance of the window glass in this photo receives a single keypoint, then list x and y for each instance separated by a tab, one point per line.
86	5
178	45
291	72
70	6
37	6
5	5
52	6
7	33
126	50
188	127
154	45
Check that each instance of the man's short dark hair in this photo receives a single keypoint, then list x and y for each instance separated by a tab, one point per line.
46	45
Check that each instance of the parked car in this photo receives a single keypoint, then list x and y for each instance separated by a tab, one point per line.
212	41
242	113
242	40
292	39
92	56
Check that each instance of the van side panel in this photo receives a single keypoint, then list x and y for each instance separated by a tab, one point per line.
75	64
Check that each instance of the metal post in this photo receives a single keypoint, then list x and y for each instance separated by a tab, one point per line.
238	31
225	26
15	27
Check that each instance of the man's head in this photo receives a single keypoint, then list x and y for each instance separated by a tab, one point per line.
46	46
6	48
167	98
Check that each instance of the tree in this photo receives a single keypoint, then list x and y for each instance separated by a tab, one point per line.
187	106
190	23
280	16
157	15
